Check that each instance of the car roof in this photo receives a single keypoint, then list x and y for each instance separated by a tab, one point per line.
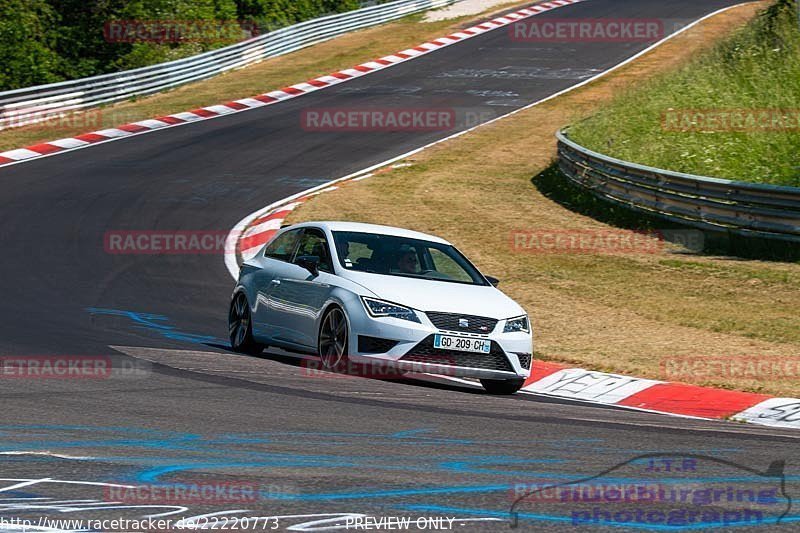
371	228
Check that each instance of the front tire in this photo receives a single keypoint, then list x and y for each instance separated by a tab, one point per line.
333	339
502	386
240	327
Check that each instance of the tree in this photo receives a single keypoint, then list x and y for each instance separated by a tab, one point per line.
27	37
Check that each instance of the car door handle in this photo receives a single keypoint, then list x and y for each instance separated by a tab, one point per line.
275	282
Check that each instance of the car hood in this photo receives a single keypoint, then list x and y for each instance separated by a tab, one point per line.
429	295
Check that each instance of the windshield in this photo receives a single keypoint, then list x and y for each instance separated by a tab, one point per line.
401	256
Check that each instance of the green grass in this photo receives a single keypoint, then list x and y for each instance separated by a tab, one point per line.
756	68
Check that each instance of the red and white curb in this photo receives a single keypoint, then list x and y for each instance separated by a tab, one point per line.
681	399
205	113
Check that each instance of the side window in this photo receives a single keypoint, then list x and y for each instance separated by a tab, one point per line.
282	247
313	242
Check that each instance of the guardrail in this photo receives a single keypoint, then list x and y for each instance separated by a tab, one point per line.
34	104
748	209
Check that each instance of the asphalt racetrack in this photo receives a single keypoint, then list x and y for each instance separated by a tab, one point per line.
181	408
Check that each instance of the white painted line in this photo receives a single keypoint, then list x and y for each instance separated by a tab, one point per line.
23	483
48	454
28	481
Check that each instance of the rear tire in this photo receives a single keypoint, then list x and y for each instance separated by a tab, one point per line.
502	386
240	327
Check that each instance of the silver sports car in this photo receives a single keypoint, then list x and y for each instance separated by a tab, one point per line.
363	293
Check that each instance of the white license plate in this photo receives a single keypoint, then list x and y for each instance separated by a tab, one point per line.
462	344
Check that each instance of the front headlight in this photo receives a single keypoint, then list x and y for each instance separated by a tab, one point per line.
381	308
519	323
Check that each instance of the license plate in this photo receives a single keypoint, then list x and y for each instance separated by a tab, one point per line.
462	344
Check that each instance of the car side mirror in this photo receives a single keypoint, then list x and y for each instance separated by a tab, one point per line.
494	281
309	262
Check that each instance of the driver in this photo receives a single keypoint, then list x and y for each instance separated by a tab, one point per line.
408	262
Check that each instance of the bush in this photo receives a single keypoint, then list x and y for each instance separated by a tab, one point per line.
27	45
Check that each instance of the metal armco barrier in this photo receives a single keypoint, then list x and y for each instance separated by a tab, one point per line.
748	209
34	104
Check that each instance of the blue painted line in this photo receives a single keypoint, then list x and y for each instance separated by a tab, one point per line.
409	433
156	323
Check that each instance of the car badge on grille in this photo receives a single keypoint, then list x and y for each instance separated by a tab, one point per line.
463	323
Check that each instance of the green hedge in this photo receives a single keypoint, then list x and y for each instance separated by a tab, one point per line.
44	41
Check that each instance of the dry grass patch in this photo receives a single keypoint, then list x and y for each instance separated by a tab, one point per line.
331	56
625	313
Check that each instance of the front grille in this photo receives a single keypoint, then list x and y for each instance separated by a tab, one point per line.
525	360
450	322
424	352
374	344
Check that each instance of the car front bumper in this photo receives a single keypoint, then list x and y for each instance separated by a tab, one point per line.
413	349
